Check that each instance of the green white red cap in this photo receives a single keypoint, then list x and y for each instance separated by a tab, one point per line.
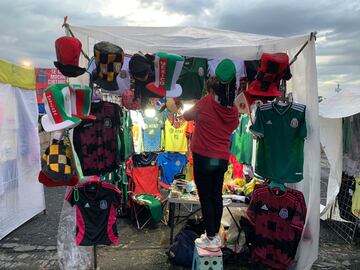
81	101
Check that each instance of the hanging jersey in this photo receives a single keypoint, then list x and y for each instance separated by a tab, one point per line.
356	199
137	127
96	141
171	164
153	127
175	135
126	141
242	141
144	159
278	222
95	213
280	151
192	77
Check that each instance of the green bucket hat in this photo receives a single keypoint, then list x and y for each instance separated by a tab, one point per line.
225	71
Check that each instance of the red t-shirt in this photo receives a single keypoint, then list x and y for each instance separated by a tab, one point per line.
214	125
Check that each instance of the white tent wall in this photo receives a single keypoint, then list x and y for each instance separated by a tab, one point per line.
331	140
343	104
214	43
21	195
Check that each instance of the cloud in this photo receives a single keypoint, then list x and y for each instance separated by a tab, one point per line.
29	28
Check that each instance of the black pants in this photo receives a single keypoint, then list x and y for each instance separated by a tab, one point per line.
209	178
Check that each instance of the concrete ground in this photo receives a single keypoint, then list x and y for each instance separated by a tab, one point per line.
34	244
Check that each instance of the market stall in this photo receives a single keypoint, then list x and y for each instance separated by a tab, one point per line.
204	45
21	196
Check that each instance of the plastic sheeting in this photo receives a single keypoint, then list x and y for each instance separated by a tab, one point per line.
71	256
21	195
214	43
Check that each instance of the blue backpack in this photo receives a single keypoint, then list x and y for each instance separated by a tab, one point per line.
181	251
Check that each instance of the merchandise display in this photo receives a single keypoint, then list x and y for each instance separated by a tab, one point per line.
150	131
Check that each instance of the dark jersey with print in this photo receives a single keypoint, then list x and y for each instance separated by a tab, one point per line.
278	221
144	159
95	213
96	141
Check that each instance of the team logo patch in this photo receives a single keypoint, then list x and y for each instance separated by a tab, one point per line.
284	214
103	204
107	123
177	163
264	207
201	71
294	123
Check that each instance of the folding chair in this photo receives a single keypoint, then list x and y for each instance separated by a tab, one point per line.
144	180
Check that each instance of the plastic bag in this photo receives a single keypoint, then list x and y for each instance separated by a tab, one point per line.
71	256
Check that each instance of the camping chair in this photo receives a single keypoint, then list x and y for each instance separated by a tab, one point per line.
144	181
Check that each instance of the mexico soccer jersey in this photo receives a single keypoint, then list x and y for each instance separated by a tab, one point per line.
242	142
95	212
281	131
278	220
96	142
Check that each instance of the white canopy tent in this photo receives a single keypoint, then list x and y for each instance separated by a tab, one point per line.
344	104
215	43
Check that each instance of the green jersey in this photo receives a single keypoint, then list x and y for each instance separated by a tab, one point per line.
281	131
192	77
242	142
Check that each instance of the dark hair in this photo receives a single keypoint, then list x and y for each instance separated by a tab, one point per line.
225	91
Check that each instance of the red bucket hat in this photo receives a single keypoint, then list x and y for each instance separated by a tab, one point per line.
68	51
273	68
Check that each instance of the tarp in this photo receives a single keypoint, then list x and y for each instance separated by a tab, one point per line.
21	195
17	76
215	43
332	110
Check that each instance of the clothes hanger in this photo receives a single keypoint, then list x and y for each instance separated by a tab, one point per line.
281	186
284	99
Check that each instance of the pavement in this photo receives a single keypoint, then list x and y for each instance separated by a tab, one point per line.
34	244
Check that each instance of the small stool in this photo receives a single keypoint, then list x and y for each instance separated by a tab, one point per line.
207	260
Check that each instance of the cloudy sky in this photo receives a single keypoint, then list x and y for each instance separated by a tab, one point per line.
29	28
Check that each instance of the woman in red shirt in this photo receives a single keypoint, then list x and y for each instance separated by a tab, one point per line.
215	119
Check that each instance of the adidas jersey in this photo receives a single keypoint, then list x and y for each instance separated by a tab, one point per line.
278	221
175	135
95	213
281	131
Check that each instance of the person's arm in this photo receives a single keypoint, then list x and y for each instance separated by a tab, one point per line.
192	113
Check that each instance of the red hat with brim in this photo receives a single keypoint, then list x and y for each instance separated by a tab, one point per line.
68	51
48	182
